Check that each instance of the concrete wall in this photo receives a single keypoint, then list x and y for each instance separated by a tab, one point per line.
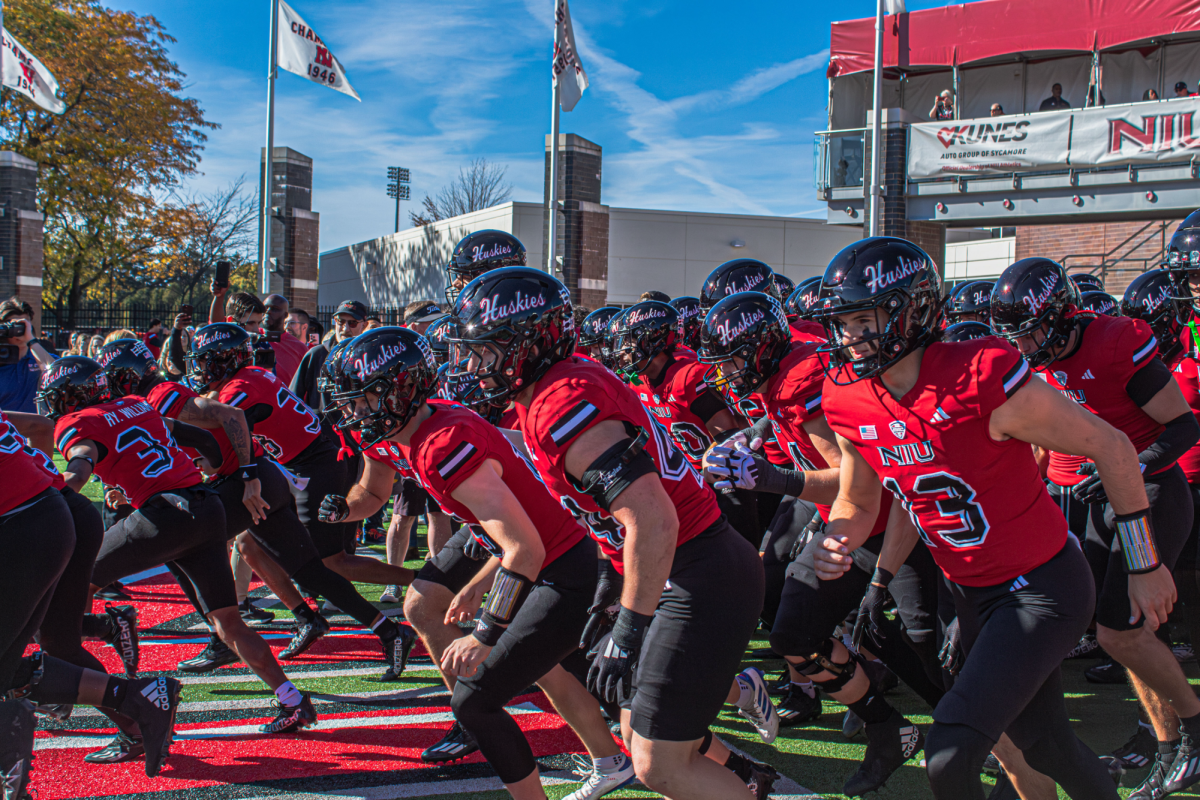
979	259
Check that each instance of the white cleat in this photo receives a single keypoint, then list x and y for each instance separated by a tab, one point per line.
599	784
760	712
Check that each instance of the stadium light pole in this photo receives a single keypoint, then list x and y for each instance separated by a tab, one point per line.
876	124
398	189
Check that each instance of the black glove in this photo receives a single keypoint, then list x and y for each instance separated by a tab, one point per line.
1090	490
602	613
475	550
616	656
334	508
870	611
951	654
814	528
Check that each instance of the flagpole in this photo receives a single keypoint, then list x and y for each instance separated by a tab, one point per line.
552	241
265	255
876	125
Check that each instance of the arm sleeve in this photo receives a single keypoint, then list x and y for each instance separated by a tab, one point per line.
1178	436
708	404
1148	381
198	439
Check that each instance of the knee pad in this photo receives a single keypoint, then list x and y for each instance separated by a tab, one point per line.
822	661
469	704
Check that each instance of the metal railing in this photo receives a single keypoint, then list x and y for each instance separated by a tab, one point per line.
1110	265
839	159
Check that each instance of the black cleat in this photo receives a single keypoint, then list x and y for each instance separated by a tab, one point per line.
762	779
1185	769
292	718
1152	788
1107	671
16	747
216	654
252	615
306	636
121	749
779	686
1138	752
151	703
456	744
122	635
1088	647
395	653
889	745
797	708
1004	789
991	765
114	591
60	712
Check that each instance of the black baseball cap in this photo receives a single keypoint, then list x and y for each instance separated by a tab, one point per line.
1181	85
353	308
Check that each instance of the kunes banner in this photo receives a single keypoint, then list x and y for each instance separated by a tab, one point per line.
1127	134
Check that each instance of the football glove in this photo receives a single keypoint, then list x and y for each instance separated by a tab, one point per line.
870	611
605	603
475	550
334	508
733	467
951	654
1090	490
615	657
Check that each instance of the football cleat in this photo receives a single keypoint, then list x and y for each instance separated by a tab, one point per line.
1185	769
797	707
1153	787
889	744
1138	752
1107	671
391	594
1004	789
395	653
1088	647
991	765
114	591
16	747
597	784
292	718
121	749
60	712
215	654
253	615
456	744
123	636
761	779
758	710
1184	652
779	686
151	703
306	636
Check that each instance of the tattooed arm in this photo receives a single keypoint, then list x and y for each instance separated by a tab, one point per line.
204	412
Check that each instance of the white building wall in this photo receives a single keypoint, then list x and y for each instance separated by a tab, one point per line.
980	258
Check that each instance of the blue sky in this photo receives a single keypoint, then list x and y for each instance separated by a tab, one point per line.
699	105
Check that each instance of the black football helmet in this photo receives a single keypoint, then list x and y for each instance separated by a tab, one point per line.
129	367
970	299
438	335
885	274
594	333
1035	295
513	324
643	331
1087	282
1183	256
783	285
801	302
328	381
218	351
966	331
749	326
480	252
1100	303
690	320
738	275
385	374
608	352
1151	298
69	384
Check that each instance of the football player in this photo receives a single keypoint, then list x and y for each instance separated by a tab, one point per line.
970	302
544	571
738	275
946	428
478	252
1109	366
1100	302
176	518
799	305
593	334
690	319
608	461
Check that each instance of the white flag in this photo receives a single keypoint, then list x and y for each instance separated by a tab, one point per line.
893	6
566	59
301	51
29	76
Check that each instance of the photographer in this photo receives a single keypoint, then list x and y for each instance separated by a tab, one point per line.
19	380
943	107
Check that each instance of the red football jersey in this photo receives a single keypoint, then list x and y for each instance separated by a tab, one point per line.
27	471
670	400
805	330
168	399
754	408
510	420
137	453
574	395
1112	350
1187	375
291	426
450	446
980	504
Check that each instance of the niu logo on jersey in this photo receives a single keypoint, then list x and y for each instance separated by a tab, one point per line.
906	455
1159	132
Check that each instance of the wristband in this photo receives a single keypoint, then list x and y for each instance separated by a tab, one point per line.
504	601
630	628
1137	542
882	578
248	472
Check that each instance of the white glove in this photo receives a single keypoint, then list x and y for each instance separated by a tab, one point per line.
734	467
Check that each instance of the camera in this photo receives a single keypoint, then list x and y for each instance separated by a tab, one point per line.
9	354
12	330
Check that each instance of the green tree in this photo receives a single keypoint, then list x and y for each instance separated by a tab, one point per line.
127	138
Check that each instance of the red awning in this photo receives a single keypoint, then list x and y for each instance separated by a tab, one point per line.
987	29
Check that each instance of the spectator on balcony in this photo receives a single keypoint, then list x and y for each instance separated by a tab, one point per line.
1055	100
1091	97
943	107
1150	94
1181	90
997	110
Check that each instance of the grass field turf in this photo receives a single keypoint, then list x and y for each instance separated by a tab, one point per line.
816	757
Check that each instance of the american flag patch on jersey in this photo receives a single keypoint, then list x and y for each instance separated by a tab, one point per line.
867	432
458	456
573	422
168	403
1016	377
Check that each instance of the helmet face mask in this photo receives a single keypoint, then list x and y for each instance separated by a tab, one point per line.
1182	259
383	377
129	367
744	338
691	319
643	331
218	351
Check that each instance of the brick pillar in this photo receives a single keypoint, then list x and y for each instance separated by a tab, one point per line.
300	281
895	166
293	226
579	165
930	237
20	233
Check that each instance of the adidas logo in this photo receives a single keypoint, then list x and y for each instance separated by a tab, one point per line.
910	739
1184	770
939	416
1019	583
1088	376
157	694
